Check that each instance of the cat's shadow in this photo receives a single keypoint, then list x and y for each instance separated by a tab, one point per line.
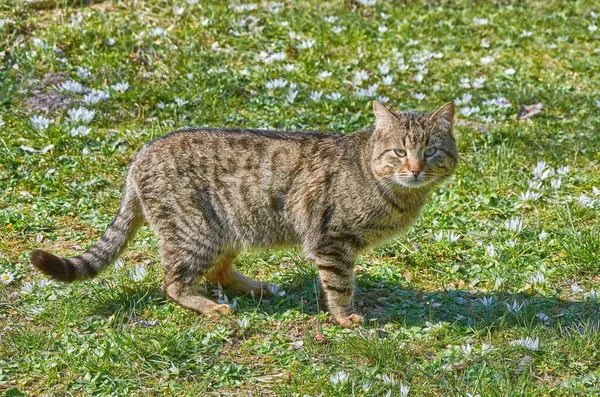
382	301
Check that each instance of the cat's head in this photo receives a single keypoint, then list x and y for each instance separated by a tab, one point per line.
413	149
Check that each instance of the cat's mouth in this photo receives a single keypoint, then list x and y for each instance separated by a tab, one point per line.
412	182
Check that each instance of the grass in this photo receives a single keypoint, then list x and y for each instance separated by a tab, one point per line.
436	300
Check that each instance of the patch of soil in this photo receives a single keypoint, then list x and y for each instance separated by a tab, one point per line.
48	102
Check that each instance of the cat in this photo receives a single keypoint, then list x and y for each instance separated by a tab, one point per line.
209	194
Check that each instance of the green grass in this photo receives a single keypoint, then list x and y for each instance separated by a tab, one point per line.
423	295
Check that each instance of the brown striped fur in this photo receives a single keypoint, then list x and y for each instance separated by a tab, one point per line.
209	194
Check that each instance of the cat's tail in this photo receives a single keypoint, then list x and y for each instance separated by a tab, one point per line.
107	249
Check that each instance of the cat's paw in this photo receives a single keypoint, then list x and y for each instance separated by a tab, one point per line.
353	320
222	309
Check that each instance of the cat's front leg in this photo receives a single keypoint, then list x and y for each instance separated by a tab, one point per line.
337	284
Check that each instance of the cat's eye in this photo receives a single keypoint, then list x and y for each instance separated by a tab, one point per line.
400	152
430	152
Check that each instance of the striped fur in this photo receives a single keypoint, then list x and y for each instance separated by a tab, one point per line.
209	194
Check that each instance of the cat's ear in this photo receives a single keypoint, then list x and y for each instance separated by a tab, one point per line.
444	115
383	117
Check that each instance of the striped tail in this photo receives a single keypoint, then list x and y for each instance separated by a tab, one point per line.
107	249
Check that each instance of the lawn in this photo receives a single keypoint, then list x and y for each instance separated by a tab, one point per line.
494	292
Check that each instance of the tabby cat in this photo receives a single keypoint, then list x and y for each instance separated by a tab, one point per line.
209	194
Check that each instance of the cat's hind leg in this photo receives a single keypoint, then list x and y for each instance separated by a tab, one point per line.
223	273
183	270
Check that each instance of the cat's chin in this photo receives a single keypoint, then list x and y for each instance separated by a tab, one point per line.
412	183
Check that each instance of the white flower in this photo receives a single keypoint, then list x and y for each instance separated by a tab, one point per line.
95	96
39	43
382	29
111	42
592	28
594	15
487	302
593	295
7	278
418	77
526	33
276	83
244	323
275	289
404	390
119	264
509	71
36	310
40	123
324	74
83	72
215	46
511	243
360	76
27	288
191	2
585	201
491	251
438	236
500	102
469	110
432	327
288	67
465	82
81	115
384	67
596	191
367	2
331	19
515	307
498	281
419	96
576	288
485	43
480	21
178	10
486	60
1	121
529	343
485	348
383	99
467	349
529	196
316	96
563	170
388	380
157	32
514	224
452	237
120	87
305	44
555	183
334	96
72	86
180	101
81	130
338	29
387	80
537	278
534	185
478	82
543	235
139	273
466	98
339	378
291	95
270	58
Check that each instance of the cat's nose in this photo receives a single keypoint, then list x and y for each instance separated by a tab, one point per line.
415	172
